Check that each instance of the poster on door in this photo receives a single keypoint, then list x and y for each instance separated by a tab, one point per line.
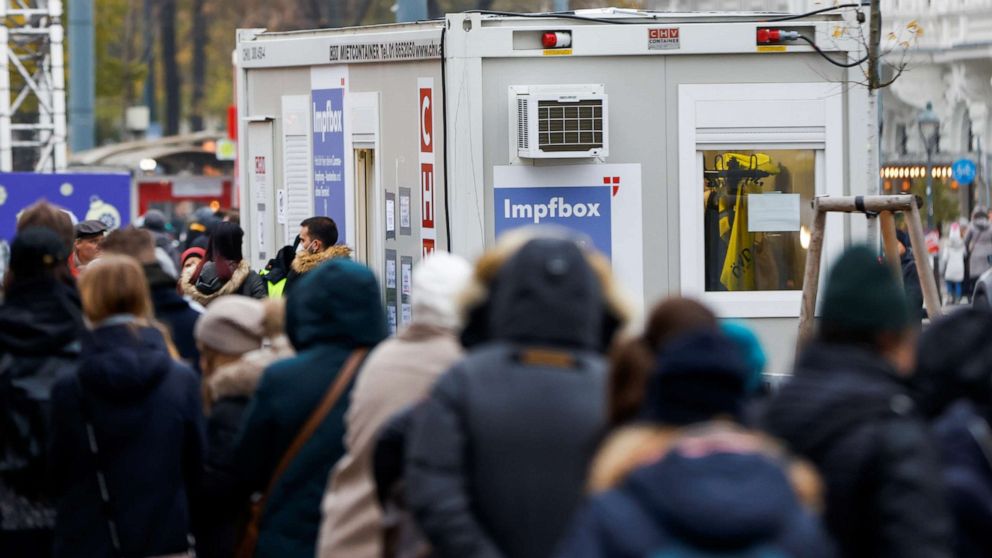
601	202
330	146
102	197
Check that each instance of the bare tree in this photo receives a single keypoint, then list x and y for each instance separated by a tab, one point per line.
199	64
167	22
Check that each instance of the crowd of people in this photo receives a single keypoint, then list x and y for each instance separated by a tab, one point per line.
965	253
163	400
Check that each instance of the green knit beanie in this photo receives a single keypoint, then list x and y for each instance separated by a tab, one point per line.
863	295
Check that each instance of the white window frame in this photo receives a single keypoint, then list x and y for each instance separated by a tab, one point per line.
755	116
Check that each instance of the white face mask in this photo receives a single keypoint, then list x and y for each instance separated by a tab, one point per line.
300	248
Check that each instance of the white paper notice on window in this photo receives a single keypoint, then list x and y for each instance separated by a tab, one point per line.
774	212
390	216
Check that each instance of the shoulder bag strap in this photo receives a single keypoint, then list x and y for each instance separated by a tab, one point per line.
333	395
106	504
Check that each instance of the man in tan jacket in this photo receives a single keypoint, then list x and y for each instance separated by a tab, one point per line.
398	372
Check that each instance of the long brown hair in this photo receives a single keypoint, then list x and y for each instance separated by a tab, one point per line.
115	285
631	360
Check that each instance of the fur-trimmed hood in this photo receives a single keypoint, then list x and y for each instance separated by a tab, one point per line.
240	378
475	299
201	292
305	261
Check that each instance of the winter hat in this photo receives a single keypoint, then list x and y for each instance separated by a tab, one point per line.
154	220
697	377
232	325
36	251
437	282
750	347
194	251
862	295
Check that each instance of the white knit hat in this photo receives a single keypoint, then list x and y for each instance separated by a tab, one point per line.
437	281
232	325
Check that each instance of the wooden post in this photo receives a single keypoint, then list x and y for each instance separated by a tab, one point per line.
811	276
851	204
891	243
931	297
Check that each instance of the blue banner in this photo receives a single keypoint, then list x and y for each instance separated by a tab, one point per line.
585	209
103	197
328	157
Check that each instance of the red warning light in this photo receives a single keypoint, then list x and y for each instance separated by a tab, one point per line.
556	39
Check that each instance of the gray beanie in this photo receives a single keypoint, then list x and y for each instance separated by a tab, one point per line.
233	325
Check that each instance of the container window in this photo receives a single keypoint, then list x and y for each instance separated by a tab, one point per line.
757	218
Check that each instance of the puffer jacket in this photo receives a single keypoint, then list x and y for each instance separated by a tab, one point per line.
336	310
847	412
964	436
40	323
146	413
978	242
497	456
731	501
209	286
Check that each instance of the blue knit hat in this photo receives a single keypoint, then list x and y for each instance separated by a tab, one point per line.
697	377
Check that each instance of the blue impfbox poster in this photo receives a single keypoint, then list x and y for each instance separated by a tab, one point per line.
600	201
584	210
328	156
103	197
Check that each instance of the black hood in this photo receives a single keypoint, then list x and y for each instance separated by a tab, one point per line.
39	318
835	388
547	293
123	363
724	501
278	267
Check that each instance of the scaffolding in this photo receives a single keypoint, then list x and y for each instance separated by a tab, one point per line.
32	87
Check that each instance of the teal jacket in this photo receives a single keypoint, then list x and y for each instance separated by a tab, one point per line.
333	310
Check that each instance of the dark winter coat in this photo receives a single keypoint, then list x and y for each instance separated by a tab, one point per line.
146	413
174	313
497	458
209	286
336	310
847	412
730	502
965	440
224	499
39	327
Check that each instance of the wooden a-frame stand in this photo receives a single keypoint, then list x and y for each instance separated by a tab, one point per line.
884	206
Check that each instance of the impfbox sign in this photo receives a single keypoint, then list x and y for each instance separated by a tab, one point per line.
663	38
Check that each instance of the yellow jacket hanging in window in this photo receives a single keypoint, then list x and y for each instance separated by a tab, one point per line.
738	266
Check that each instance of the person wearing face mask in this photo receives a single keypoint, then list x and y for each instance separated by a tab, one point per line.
315	245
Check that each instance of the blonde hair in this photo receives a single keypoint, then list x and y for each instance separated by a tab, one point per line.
115	284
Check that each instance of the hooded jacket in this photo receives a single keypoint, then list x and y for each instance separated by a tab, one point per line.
497	456
305	262
39	327
978	243
847	412
336	311
738	504
146	414
209	286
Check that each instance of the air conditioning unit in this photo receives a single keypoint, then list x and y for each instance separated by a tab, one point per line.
559	121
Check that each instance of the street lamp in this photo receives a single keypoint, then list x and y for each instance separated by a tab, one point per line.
929	125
